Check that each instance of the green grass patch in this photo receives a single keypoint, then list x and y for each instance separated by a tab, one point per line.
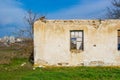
17	72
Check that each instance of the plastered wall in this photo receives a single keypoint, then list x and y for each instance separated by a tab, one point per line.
52	43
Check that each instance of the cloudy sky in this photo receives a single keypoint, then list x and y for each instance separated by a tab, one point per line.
12	12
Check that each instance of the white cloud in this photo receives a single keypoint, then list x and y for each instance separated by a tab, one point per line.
11	12
87	10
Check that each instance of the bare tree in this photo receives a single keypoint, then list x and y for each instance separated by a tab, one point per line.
113	12
27	31
30	18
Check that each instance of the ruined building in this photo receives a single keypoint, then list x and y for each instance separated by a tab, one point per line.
77	42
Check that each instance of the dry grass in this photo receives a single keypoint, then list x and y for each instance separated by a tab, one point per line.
18	50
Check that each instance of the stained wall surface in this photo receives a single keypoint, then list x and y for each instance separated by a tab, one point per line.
52	43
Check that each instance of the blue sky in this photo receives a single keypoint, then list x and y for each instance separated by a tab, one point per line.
12	12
